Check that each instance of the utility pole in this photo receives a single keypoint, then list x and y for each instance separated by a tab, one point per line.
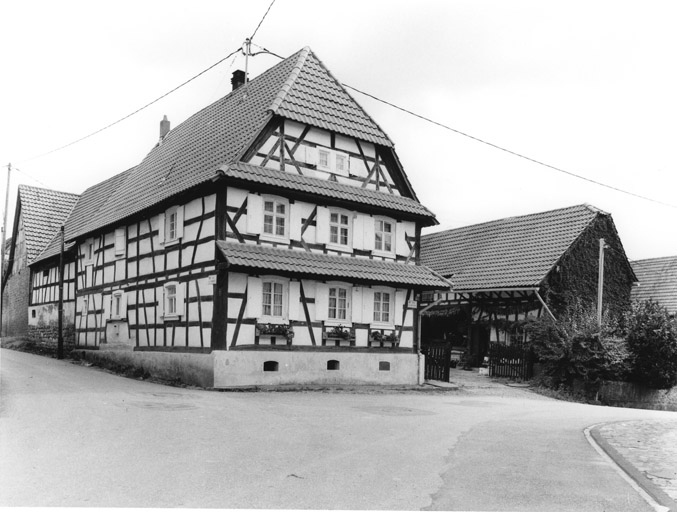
600	281
4	239
59	343
247	53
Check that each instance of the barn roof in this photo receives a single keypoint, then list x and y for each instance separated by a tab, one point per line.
298	88
657	281
515	252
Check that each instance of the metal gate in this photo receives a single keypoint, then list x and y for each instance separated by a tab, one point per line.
437	361
513	361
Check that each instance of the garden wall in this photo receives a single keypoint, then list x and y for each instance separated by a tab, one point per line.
628	394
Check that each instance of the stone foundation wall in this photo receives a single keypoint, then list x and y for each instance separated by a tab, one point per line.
15	304
628	394
49	334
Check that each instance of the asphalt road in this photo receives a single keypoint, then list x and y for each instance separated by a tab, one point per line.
77	436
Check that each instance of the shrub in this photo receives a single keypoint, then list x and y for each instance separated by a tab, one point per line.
652	341
574	348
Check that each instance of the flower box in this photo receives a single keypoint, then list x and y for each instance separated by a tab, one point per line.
283	330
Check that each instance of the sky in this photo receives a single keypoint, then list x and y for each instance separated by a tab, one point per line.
589	87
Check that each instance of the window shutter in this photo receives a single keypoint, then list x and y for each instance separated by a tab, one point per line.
401	247
367	305
123	306
321	301
179	222
254	214
357	305
181	299
161	229
322	225
107	307
311	155
160	303
254	297
120	241
400	304
369	233
358	232
295	307
295	221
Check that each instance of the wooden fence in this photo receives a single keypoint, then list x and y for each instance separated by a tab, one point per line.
513	361
437	361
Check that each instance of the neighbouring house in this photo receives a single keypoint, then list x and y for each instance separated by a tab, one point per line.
507	270
657	281
38	217
271	238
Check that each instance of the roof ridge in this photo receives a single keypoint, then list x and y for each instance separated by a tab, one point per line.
293	75
589	207
43	189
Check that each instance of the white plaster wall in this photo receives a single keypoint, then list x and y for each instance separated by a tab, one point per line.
245	368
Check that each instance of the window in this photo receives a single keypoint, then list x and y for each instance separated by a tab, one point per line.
118	308
324	156
173	300
338	303
89	252
120	242
170	228
273	299
275	217
383	231
382	307
339	229
342	164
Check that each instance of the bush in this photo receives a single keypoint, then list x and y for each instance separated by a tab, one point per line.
574	349
652	341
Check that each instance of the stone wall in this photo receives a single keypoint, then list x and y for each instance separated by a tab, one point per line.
15	304
628	394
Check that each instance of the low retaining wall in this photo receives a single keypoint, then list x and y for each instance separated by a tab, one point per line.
628	394
191	369
272	368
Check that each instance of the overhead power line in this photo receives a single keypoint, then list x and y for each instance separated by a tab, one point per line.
514	153
260	22
136	111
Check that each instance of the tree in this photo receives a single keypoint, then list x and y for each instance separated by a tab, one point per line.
652	341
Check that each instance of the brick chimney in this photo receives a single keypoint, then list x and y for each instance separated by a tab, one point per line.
164	128
238	79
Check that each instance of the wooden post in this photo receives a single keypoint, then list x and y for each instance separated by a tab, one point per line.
59	346
600	282
4	240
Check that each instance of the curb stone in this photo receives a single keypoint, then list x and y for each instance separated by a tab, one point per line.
649	487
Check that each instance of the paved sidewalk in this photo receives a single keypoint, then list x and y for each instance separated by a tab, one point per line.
647	451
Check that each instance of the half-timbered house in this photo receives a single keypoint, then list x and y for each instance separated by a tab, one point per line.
271	238
30	293
508	270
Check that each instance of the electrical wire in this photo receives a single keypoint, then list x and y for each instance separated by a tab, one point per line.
136	111
514	153
260	22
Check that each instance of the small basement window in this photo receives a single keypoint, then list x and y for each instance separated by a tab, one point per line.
333	365
383	366
271	366
33	313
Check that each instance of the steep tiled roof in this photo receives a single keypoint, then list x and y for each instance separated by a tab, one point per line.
298	88
43	212
312	95
322	265
657	281
507	253
327	188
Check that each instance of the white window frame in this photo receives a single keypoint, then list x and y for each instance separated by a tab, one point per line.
118	296
378	294
89	252
348	226
346	157
333	157
337	287
276	200
172	237
120	242
178	311
284	295
393	235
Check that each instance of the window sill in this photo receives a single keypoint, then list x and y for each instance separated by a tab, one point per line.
173	241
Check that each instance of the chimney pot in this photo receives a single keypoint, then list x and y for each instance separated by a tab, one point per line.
164	127
238	79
